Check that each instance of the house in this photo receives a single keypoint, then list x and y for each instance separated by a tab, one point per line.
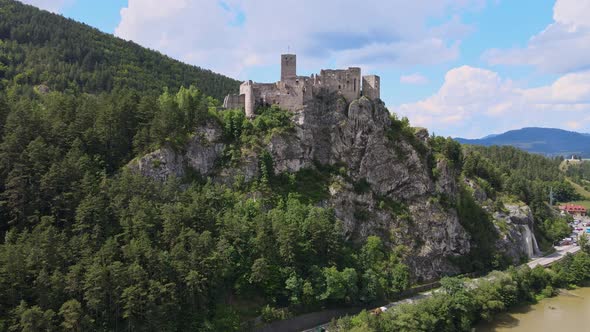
576	210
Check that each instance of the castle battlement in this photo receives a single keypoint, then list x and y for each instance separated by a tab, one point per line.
292	92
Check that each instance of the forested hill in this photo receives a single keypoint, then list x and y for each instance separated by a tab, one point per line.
270	216
546	141
37	47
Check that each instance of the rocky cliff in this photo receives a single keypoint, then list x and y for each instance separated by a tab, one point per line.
514	223
396	198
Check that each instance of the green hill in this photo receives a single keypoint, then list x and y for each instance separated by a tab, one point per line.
37	47
291	218
546	141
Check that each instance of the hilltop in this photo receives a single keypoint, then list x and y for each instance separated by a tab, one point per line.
546	141
40	48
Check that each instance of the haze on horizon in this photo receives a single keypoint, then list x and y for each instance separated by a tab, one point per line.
459	68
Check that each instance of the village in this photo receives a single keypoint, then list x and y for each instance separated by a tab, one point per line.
580	224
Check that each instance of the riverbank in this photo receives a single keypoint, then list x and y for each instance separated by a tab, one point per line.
566	312
460	304
297	324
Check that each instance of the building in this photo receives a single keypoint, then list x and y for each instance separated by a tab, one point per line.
293	92
576	210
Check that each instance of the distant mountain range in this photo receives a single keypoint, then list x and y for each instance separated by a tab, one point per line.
547	141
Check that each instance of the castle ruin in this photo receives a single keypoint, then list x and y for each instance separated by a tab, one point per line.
293	92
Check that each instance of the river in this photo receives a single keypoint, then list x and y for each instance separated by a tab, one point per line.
568	312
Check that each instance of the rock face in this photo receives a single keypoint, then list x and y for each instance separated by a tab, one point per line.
202	152
396	203
516	228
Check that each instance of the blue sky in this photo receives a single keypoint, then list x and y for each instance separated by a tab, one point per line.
458	67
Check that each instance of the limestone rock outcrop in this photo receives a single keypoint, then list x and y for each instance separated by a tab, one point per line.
516	228
200	154
397	203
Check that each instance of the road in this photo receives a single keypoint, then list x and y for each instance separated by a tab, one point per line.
560	252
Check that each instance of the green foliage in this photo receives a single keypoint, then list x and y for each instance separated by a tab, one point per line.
449	149
556	228
88	246
458	307
311	184
362	186
37	47
340	285
248	135
579	173
475	165
478	223
270	314
175	118
525	177
151	256
271	120
401	129
584	243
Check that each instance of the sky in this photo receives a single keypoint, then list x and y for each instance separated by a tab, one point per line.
461	68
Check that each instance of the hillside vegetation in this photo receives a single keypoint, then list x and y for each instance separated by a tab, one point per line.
87	245
546	141
39	48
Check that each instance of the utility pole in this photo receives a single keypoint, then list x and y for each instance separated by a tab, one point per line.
551	198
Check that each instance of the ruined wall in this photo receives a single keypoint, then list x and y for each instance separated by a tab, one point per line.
372	86
247	91
292	92
288	96
234	101
288	67
346	81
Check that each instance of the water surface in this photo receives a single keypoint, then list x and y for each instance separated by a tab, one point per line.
569	312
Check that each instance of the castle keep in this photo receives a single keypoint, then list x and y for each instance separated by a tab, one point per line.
292	92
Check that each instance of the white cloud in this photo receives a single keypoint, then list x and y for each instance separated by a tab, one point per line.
563	46
415	78
473	102
234	35
54	6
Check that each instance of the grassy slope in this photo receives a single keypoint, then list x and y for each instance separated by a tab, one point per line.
583	192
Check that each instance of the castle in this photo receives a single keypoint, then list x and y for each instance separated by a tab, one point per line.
293	92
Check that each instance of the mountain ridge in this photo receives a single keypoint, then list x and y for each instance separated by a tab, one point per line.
546	141
64	54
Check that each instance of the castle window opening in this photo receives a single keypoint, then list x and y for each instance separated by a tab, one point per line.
339	87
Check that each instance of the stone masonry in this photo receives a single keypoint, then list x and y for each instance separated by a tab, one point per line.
293	92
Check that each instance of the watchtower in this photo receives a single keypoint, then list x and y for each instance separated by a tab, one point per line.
288	67
371	88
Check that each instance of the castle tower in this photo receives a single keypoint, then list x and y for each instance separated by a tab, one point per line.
371	86
246	89
288	67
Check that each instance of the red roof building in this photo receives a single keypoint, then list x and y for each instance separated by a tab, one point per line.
573	209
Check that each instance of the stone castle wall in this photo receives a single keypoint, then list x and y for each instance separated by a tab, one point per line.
288	66
371	86
247	90
292	92
234	101
345	81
